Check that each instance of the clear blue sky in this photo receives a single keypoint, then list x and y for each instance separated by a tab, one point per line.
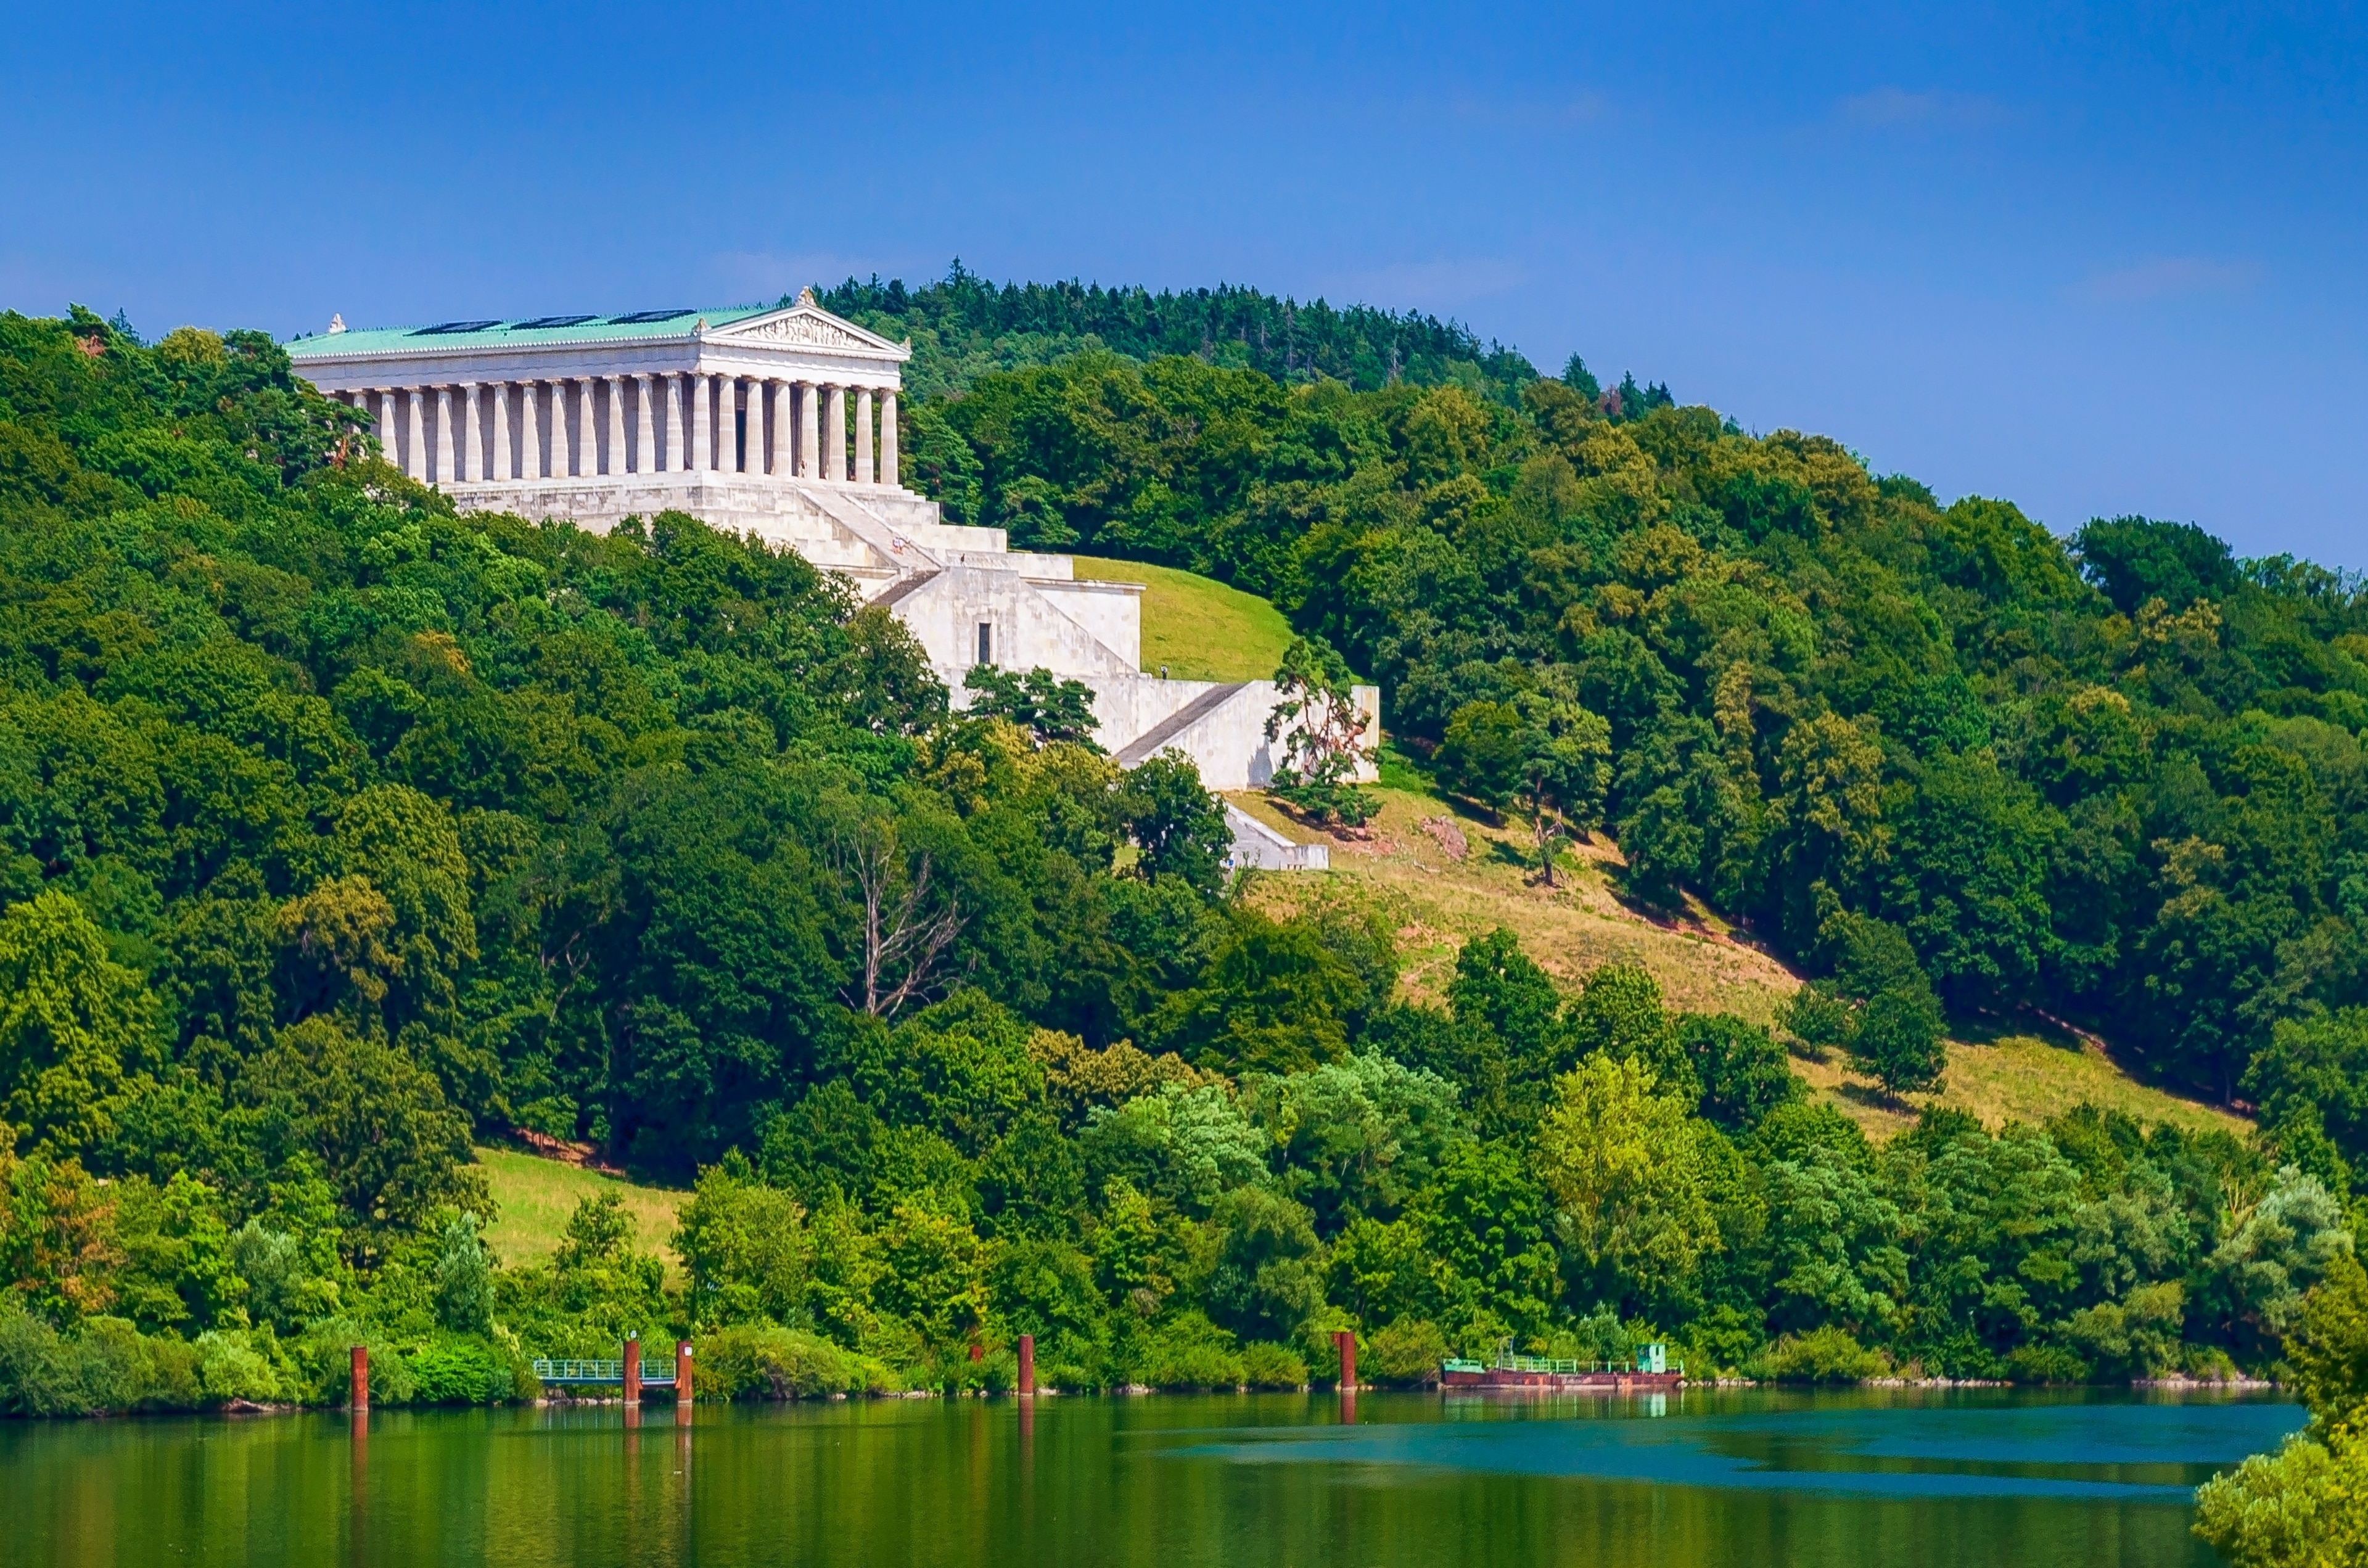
2096	260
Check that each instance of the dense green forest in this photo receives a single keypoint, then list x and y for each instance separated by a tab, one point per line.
338	830
962	327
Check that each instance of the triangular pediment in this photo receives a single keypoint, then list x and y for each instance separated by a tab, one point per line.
807	325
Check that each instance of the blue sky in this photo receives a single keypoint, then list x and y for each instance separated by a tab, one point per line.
2096	260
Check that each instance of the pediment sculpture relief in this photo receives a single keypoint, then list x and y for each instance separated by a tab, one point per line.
805	331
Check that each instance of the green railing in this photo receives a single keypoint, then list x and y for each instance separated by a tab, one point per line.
597	1372
1507	1362
580	1371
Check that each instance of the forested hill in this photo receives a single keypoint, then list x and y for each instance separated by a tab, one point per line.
2117	777
963	326
339	830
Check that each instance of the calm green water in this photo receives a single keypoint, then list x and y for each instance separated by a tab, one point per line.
1692	1480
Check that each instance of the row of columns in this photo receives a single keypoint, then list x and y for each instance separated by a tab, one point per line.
687	422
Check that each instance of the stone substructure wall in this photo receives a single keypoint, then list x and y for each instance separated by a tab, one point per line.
946	583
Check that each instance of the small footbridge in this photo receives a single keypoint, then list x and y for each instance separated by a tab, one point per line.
599	1373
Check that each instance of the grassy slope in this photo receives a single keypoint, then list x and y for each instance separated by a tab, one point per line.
1571	930
1200	628
537	1195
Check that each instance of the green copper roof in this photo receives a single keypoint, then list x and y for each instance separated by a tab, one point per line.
606	328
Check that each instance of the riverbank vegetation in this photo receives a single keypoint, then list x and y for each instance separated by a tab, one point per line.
339	832
2306	1505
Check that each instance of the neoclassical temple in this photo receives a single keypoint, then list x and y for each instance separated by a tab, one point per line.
779	422
649	392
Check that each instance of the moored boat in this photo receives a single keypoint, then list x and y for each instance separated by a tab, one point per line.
1650	1370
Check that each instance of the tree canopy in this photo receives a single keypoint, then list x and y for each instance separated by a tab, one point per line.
340	831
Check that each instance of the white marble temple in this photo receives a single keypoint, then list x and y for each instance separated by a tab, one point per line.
741	417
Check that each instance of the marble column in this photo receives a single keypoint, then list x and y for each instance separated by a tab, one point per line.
864	435
471	463
558	429
749	432
727	403
445	445
389	428
529	431
784	402
503	468
587	434
414	434
702	422
670	422
646	424
889	473
809	430
834	434
616	463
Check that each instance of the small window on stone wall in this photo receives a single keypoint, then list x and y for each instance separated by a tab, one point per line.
986	643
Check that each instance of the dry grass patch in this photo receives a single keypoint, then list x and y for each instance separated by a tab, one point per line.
2017	1077
1572	929
1440	899
537	1195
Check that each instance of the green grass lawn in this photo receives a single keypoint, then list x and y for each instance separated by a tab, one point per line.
1198	628
537	1196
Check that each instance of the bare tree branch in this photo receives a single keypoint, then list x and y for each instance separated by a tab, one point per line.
904	941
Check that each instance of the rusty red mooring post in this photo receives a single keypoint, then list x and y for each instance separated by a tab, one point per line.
1027	1366
1346	1339
633	1369
361	1377
682	1371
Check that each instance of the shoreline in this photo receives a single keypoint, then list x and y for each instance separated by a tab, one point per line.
247	1409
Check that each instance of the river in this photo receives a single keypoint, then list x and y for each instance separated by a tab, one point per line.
1694	1479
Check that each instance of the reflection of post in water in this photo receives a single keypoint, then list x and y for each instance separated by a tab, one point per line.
682	1432
358	1489
682	1462
1027	1500
1026	1388
358	1486
631	1524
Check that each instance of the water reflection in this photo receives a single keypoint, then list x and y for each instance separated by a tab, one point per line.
1697	1479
